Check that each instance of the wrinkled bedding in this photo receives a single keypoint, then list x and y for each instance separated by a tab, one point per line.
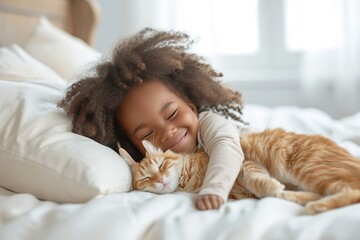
140	215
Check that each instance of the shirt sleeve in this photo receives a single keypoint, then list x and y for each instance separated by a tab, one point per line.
221	141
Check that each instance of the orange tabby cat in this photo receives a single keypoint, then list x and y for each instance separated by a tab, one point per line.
310	166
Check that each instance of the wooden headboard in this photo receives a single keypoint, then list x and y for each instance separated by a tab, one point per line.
18	17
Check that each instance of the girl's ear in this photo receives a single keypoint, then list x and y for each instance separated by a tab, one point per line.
192	107
150	148
126	156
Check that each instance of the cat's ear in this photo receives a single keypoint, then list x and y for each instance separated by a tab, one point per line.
126	156
150	148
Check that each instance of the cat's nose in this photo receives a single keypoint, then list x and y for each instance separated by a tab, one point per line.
159	179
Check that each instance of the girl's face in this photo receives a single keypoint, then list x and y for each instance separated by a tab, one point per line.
153	112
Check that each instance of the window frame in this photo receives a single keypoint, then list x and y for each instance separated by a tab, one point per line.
273	61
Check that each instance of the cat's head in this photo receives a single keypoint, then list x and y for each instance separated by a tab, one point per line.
157	172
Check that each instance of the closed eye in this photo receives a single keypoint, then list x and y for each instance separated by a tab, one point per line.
144	179
173	114
161	165
147	135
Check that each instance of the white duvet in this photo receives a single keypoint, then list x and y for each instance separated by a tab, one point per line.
140	215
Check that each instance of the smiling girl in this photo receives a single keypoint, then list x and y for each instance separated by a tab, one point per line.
154	89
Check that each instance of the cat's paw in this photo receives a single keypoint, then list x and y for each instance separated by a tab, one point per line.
276	188
315	207
282	194
266	187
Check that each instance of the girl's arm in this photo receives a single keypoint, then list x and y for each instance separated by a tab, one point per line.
221	141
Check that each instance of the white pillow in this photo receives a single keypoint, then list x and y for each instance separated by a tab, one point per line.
40	155
64	53
17	65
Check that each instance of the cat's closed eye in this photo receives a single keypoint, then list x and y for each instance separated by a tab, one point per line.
161	165
144	179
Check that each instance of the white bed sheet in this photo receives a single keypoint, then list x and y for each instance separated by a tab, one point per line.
140	215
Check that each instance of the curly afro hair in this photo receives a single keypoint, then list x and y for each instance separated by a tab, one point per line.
93	101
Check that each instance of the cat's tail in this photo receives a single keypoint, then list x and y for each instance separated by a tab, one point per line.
337	200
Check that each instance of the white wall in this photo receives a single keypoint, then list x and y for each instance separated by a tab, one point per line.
110	28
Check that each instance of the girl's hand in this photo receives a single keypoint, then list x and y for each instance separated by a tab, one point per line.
208	202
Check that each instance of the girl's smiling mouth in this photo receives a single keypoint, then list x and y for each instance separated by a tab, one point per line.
176	147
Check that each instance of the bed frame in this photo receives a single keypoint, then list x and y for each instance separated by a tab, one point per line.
18	17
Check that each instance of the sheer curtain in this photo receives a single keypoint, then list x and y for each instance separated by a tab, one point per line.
330	77
172	15
218	25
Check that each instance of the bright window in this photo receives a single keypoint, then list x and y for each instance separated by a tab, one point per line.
222	26
312	25
257	39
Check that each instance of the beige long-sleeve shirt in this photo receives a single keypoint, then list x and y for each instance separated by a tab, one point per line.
220	139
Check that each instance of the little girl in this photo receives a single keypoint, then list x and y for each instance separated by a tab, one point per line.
153	89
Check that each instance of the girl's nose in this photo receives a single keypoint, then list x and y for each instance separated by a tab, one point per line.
168	133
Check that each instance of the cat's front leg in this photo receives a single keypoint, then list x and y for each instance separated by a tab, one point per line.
258	181
240	192
298	197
